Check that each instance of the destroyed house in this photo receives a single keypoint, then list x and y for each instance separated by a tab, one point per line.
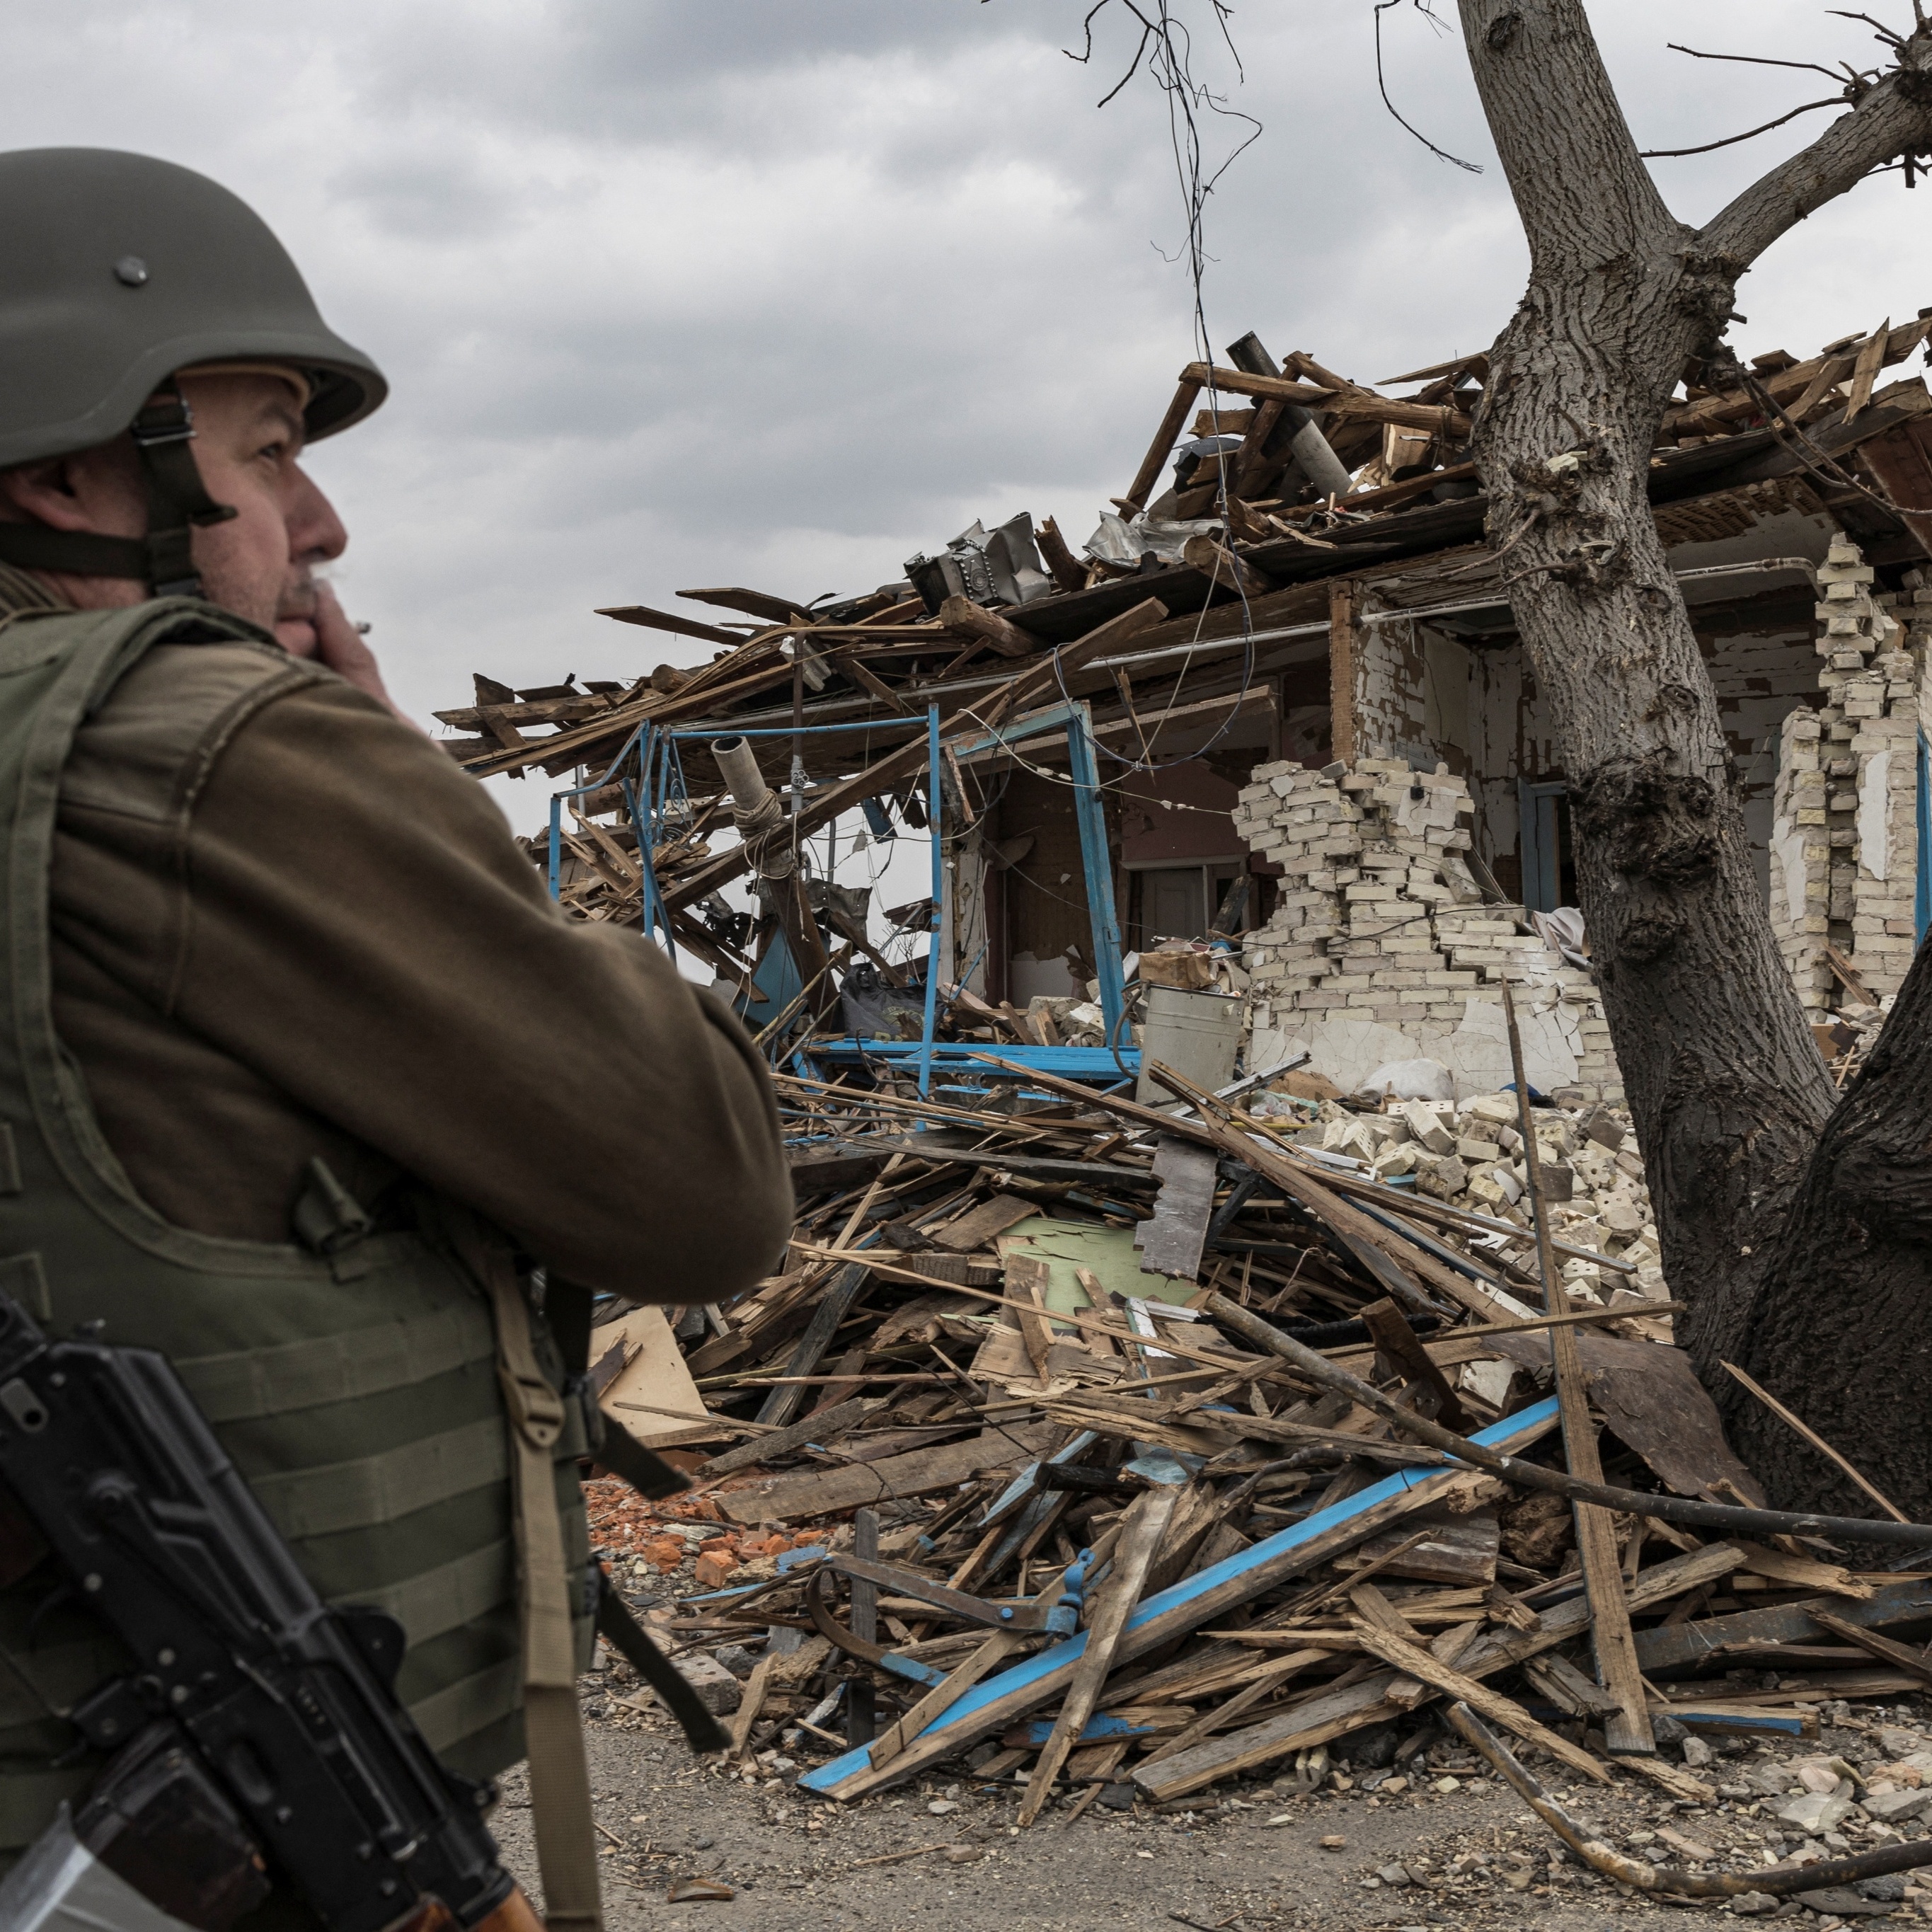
1274	707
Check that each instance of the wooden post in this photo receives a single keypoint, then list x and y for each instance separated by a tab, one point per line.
860	1714
1165	438
1627	1731
1342	670
786	1399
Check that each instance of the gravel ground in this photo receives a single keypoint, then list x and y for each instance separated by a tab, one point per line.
1269	1858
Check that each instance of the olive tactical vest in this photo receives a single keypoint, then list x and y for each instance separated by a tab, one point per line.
357	1393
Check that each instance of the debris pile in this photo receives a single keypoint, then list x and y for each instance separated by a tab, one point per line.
1101	1454
1277	498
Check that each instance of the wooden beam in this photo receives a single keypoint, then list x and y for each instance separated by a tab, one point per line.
1342	670
975	624
669	620
1140	1533
1627	1731
1165	438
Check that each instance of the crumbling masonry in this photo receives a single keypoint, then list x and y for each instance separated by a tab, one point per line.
1844	844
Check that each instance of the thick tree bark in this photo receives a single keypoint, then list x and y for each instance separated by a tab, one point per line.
1728	1090
1841	1333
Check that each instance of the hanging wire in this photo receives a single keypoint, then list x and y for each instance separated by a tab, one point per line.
1165	46
1422	8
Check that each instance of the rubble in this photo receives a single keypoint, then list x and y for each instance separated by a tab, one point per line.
1197	1454
1005	1394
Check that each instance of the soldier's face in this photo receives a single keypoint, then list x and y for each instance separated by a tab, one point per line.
260	564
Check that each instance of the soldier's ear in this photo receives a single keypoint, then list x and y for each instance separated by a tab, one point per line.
92	489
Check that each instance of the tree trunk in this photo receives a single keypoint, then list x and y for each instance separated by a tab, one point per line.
1728	1089
1841	1334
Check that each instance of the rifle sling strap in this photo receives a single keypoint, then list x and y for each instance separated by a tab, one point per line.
560	1807
632	1642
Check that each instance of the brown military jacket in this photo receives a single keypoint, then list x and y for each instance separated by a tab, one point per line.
285	925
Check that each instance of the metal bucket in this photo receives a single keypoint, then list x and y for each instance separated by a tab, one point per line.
1197	1034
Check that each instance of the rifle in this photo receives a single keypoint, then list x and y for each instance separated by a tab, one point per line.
259	1728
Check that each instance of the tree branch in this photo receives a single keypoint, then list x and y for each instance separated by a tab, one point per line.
1894	119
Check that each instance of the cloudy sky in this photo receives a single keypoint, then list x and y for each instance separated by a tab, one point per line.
774	292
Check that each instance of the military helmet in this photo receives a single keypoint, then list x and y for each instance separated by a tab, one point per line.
116	271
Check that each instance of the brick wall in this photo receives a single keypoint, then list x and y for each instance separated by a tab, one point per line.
1381	948
1844	835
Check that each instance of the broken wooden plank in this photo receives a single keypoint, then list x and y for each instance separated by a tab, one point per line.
942	1697
826	1423
1627	1732
1146	1523
1675	1648
1165	438
1397	1340
782	1404
1412	1660
1900	1657
1171	1242
819	1493
1817	1441
984	1222
1315	1720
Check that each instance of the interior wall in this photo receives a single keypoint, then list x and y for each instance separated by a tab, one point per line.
1492	725
1044	891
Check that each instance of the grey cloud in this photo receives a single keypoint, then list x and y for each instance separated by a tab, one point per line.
776	291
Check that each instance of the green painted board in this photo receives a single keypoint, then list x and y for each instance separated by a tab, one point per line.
1110	1252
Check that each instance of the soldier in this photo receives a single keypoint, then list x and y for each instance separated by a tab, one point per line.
301	1074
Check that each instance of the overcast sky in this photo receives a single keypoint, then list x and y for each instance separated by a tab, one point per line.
775	292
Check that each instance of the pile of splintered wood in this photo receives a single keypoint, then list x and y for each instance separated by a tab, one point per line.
1105	1452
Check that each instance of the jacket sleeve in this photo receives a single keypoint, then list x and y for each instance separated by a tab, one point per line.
363	932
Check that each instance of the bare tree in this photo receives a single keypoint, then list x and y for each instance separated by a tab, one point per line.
1799	1227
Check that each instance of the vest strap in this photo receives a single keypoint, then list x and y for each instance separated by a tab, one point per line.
250	1383
560	1808
452	1595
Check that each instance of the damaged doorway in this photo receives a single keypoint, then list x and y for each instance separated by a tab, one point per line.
1177	901
1547	849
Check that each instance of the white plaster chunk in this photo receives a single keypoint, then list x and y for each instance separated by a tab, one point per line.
1874	822
1787	849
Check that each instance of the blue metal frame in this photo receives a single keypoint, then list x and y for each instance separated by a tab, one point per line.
1098	863
660	779
935	815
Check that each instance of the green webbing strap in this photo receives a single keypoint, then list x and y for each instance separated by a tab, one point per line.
649	1474
449	1596
385	1487
250	1383
567	1305
177	500
560	1809
632	1642
446	1716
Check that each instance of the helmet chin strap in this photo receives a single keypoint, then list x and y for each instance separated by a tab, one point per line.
177	501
